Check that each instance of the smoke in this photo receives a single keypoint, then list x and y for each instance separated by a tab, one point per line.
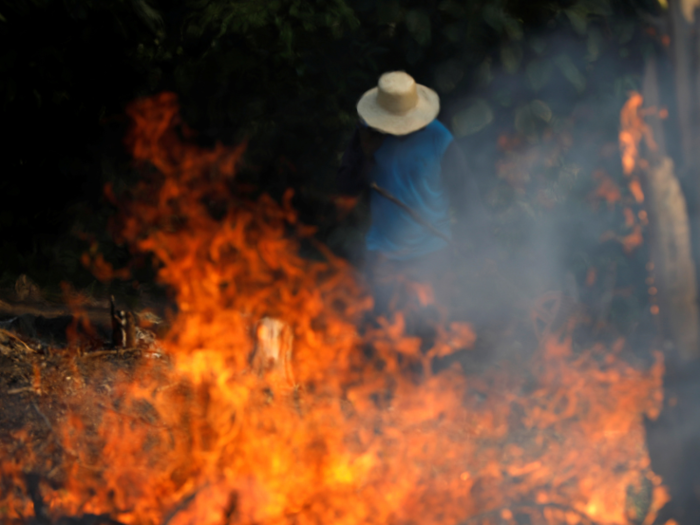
534	141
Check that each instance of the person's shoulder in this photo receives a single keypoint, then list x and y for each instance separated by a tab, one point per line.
438	130
439	135
438	127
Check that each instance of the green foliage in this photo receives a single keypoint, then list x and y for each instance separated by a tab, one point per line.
474	118
290	19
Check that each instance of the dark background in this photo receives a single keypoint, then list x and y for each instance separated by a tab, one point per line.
286	75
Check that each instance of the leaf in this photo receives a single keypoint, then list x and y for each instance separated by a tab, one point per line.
148	15
493	16
571	72
2	18
578	18
625	84
452	8
472	119
483	73
538	73
594	44
294	10
418	24
388	12
598	7
448	74
541	110
286	36
538	44
625	32
529	210
504	97
525	122
511	57
513	28
453	32
414	52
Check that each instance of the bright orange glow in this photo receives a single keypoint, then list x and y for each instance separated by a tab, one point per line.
636	189
643	217
277	406
591	276
633	240
101	269
633	130
36	378
607	189
344	205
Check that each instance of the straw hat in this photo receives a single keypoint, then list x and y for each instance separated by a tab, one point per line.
398	105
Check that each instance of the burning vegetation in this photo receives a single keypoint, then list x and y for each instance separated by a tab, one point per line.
277	400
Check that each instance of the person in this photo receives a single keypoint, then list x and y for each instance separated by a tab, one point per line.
418	176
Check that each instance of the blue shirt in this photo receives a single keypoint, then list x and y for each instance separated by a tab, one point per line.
409	168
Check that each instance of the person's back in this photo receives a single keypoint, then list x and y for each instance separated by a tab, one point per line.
416	172
409	168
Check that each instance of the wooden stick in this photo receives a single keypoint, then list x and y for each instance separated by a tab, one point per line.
42	416
535	506
414	215
117	352
21	389
182	505
13	336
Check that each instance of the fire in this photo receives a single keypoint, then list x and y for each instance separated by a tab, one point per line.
607	189
356	427
634	131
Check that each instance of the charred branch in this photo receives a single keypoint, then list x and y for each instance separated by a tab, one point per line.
123	327
537	507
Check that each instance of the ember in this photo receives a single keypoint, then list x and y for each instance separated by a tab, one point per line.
356	427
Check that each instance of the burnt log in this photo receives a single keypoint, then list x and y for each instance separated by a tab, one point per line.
272	356
123	327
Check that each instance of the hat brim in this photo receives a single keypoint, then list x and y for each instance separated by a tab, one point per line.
424	113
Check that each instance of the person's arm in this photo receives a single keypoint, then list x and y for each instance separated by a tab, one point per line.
353	174
465	197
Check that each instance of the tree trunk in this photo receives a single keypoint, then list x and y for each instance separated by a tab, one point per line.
683	51
670	239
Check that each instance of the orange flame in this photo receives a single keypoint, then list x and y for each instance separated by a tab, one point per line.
364	431
633	130
607	189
